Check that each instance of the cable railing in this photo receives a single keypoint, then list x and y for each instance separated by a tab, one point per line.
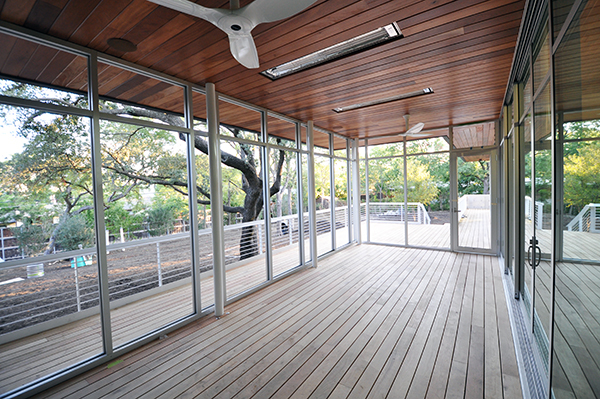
413	212
67	283
588	220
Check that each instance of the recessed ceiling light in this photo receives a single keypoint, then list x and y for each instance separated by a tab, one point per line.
427	90
351	46
122	45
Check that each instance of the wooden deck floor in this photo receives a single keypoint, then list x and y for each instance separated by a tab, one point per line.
371	321
474	232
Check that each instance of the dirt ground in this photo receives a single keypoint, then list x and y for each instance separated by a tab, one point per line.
34	300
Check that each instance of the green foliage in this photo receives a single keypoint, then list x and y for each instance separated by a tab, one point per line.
386	176
421	187
117	216
582	176
74	232
32	238
473	177
160	220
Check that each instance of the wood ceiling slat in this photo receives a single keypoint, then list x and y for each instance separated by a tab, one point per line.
185	40
98	20
385	71
43	14
160	37
6	45
19	55
365	59
429	99
386	62
155	20
71	18
121	24
55	66
77	66
16	12
38	62
359	24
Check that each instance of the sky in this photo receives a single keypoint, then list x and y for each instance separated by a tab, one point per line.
10	143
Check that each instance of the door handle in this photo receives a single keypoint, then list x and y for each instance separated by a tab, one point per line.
537	253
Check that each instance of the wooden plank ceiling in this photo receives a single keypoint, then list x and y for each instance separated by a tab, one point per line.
462	49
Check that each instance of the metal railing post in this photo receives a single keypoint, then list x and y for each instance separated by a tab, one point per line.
216	198
159	265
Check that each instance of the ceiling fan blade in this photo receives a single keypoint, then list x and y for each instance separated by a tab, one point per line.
243	49
211	15
260	11
415	129
418	135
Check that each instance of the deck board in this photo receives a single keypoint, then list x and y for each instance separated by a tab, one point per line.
370	321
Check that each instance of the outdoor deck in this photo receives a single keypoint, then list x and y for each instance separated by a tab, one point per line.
474	232
370	321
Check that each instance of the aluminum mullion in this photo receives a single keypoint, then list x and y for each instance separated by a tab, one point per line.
265	158
100	225
193	199
368	196
141	122
349	193
332	194
312	206
216	199
405	195
299	195
51	108
356	192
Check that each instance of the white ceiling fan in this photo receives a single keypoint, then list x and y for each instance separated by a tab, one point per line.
239	22
414	131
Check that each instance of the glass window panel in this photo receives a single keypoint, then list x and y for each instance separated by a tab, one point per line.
239	121
339	147
560	11
305	199
145	188
541	63
46	207
303	137
527	94
386	200
434	144
385	150
474	136
199	107
323	199
363	199
285	218
245	230
342	221
43	73
281	132
138	96
428	211
576	319
205	249
321	142
474	202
